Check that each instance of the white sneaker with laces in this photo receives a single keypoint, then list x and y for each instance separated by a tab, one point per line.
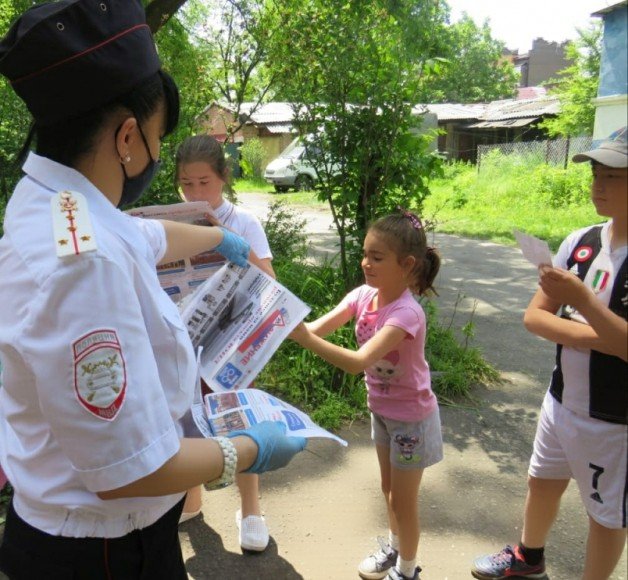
253	532
377	565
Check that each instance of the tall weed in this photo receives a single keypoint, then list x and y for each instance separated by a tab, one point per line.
511	192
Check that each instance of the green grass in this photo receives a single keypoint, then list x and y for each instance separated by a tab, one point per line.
309	198
508	193
252	186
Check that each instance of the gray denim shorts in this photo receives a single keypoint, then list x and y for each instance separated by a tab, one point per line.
415	445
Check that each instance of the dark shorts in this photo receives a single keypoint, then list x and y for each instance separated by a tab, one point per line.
153	553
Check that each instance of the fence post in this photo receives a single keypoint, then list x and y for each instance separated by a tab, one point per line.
567	152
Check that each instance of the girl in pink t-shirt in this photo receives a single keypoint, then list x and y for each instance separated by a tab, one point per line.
390	329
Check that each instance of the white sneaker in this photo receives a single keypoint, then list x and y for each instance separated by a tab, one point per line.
253	532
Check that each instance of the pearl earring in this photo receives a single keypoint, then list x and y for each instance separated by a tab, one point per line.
127	158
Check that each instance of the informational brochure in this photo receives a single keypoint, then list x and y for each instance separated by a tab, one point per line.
181	278
222	413
237	319
534	250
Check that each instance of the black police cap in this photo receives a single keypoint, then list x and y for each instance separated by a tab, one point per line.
66	58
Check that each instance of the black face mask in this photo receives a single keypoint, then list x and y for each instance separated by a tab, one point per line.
134	187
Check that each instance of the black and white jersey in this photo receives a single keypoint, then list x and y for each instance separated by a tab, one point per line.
589	382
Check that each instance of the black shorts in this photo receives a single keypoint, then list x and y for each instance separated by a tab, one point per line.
153	553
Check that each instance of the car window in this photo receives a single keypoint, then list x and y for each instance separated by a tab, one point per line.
294	153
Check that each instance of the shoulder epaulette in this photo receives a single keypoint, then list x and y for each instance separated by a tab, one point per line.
72	226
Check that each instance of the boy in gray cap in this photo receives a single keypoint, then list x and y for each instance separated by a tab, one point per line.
582	306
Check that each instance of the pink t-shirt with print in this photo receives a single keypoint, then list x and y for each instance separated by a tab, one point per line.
398	385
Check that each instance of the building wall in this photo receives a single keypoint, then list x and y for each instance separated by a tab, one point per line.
612	102
544	61
216	121
614	65
274	144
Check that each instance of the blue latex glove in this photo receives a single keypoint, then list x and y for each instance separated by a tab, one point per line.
275	448
234	248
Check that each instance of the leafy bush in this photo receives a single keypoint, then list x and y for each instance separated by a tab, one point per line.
252	158
284	230
512	192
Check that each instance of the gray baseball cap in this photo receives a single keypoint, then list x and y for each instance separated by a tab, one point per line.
612	152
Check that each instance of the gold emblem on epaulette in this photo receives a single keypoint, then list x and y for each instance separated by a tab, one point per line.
71	224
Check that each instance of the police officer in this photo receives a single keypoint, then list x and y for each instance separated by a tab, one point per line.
98	368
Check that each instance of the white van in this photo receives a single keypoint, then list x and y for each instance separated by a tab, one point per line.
291	169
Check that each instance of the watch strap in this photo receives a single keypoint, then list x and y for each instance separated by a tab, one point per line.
230	462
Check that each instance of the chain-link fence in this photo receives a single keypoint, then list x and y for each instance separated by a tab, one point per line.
556	152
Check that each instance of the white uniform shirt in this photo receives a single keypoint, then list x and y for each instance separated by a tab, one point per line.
575	361
98	367
246	225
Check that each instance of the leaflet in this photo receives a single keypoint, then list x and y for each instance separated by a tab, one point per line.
179	279
534	250
237	319
222	413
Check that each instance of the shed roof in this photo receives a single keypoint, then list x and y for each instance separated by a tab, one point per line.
276	112
514	109
610	8
453	111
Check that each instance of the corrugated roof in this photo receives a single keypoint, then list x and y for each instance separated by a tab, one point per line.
503	124
514	109
280	128
277	117
452	111
276	112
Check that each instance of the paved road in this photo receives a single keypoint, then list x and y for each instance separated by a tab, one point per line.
325	511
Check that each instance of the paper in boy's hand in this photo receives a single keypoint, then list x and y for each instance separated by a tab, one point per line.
534	250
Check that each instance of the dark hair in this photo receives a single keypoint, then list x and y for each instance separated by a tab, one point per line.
67	140
202	148
406	237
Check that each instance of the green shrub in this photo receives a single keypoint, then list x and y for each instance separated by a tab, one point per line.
511	192
285	232
252	158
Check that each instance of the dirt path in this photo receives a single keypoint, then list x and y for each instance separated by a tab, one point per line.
325	511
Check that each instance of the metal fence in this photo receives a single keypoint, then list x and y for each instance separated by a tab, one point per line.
555	152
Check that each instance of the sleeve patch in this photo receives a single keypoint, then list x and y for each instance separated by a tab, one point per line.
99	373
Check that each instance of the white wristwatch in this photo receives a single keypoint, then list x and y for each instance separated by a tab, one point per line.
230	462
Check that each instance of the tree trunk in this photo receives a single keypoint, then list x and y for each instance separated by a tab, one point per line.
158	12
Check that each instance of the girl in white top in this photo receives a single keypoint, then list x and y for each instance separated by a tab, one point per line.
201	173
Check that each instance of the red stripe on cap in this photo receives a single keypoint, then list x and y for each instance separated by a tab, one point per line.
80	54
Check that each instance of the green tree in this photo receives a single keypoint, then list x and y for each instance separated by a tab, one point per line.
353	72
472	69
577	85
14	117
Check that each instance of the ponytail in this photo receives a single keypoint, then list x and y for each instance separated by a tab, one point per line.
431	266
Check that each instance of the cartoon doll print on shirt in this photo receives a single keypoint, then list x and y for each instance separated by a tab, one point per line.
386	370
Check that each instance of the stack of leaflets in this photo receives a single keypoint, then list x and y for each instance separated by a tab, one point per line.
237	318
226	412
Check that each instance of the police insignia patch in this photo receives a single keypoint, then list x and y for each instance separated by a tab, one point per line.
99	373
